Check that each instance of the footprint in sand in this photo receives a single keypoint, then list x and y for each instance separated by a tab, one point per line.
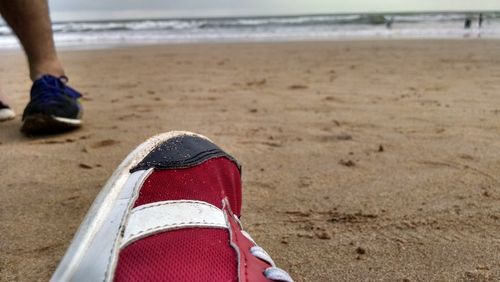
85	166
55	141
260	82
104	143
129	116
297	87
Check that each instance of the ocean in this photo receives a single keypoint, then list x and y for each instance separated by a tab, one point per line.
96	34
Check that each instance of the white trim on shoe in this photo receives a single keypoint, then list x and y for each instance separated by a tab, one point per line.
149	219
70	121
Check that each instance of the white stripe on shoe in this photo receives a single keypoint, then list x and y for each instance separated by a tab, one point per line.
70	121
147	220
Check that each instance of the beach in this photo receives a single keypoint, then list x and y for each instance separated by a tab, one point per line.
363	160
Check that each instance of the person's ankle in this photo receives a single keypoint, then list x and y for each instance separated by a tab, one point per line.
51	68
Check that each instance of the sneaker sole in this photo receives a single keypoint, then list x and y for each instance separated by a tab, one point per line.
6	114
45	124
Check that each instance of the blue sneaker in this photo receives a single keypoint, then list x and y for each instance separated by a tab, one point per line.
53	108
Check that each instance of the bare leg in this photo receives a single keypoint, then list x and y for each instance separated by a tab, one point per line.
30	21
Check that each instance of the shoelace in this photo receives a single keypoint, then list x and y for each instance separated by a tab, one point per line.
273	272
53	85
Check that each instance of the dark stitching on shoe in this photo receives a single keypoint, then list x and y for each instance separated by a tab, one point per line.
194	160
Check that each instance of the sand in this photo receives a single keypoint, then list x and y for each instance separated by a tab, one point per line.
363	161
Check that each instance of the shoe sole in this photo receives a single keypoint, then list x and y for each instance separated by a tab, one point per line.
46	124
6	114
104	203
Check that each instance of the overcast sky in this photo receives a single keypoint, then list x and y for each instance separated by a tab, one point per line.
123	9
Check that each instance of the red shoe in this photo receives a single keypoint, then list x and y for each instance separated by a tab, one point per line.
170	212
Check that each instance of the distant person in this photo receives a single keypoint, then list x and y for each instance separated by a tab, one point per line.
468	22
53	106
389	23
480	21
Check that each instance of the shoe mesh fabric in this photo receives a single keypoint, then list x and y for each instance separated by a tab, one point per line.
210	182
179	255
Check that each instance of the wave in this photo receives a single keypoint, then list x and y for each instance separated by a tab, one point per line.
322	27
253	23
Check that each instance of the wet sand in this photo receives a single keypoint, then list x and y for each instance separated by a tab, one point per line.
363	161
